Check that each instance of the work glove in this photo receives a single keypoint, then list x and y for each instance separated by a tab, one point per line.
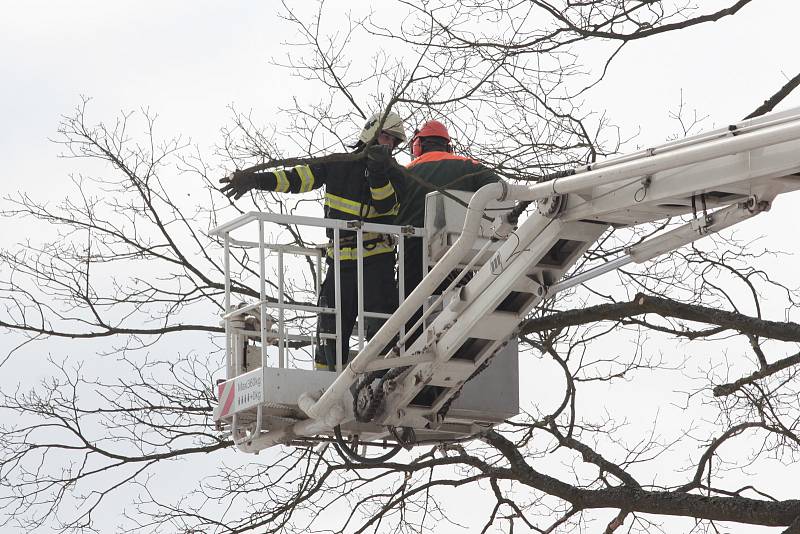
238	183
378	158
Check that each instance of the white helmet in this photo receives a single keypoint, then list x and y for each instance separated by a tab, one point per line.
393	125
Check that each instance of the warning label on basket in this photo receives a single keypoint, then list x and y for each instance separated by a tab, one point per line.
248	391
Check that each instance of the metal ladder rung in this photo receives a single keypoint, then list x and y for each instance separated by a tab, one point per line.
400	361
494	325
451	372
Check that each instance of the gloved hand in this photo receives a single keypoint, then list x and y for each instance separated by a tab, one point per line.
238	183
378	158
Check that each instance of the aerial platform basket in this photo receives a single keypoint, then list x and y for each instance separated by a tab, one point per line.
256	396
441	384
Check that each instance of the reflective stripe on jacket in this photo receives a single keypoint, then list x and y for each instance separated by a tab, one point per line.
348	251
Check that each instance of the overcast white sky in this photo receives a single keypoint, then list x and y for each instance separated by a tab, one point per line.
187	61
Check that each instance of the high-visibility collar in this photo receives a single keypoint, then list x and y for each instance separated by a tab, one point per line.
438	155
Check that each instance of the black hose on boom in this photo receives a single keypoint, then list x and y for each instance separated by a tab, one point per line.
349	452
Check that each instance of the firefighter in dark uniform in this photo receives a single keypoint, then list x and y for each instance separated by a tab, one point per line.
367	189
434	167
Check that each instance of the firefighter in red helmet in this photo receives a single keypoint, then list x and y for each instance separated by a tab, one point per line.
434	167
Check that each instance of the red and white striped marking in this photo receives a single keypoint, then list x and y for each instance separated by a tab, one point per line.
226	394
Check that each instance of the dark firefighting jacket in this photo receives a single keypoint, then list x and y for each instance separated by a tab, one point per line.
351	194
439	170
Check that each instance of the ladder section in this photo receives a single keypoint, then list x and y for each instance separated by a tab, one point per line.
479	319
757	157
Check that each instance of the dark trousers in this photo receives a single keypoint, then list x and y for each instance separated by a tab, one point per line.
380	295
412	276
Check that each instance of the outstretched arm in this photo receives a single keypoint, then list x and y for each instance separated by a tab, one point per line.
299	179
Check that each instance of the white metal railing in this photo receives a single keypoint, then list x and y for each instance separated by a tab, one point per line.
234	315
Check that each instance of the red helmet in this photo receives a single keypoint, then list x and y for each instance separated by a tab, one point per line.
429	129
433	129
